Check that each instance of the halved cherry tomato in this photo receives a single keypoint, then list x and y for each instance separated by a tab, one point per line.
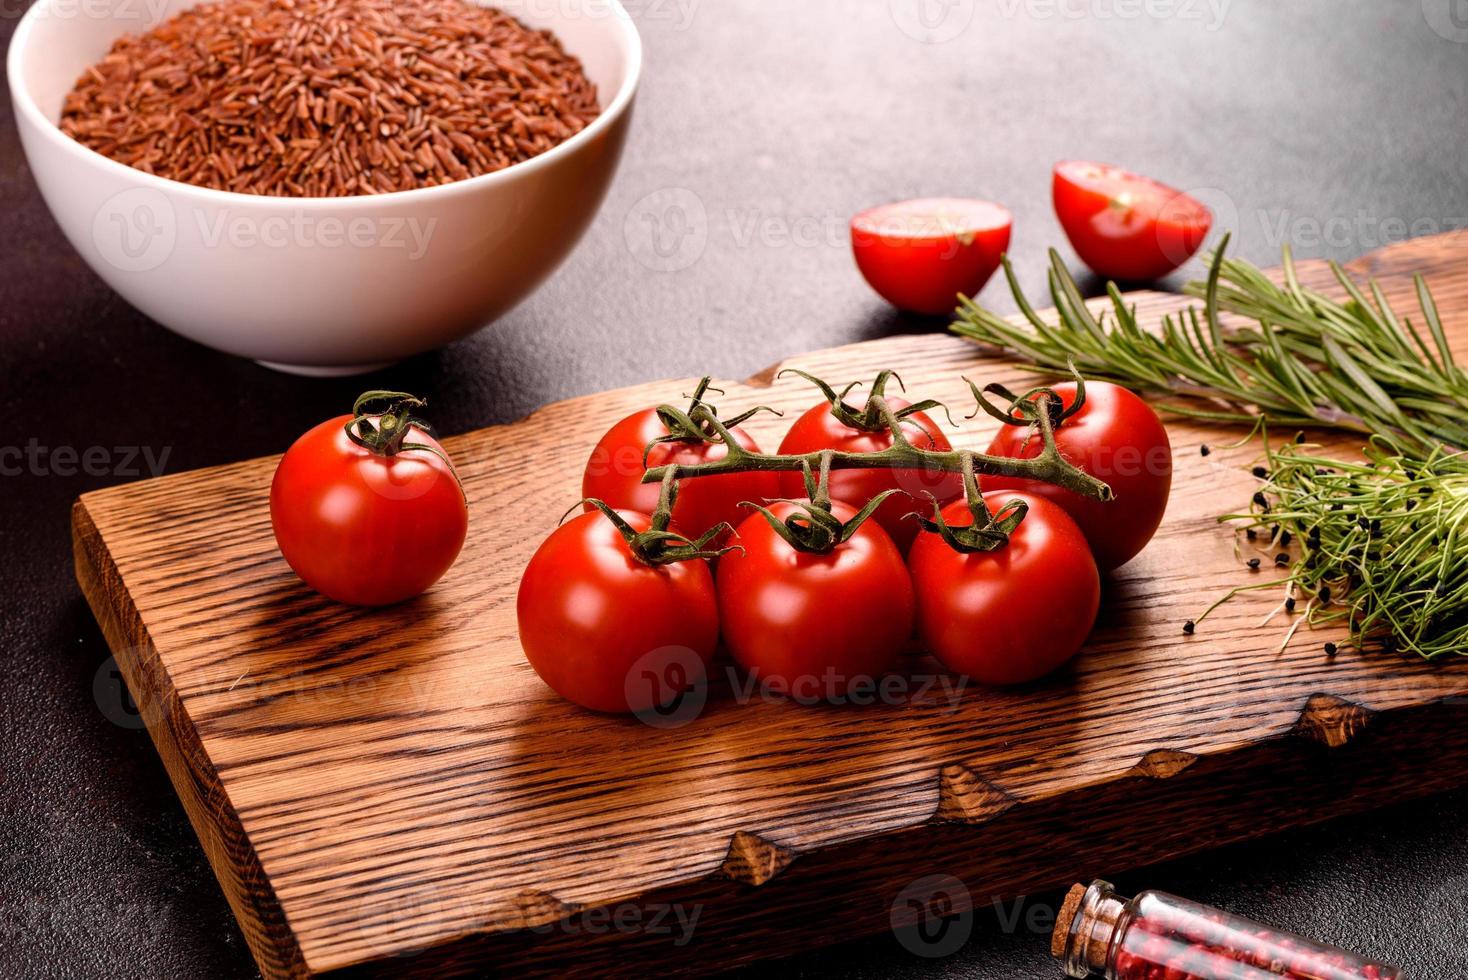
920	255
614	474
1126	226
1012	615
362	527
812	625
820	429
1117	438
609	631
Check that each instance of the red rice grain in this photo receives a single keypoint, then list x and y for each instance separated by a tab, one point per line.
329	98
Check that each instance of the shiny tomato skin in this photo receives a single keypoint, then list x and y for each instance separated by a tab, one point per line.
1115	437
811	625
602	628
920	255
1126	226
1008	616
818	429
365	529
614	474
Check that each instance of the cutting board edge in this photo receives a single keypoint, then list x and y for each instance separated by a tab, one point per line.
205	800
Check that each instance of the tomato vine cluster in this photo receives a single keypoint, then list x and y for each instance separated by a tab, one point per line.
814	566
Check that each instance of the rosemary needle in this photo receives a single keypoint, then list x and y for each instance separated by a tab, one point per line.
1305	359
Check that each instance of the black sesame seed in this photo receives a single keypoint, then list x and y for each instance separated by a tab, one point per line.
1204	450
1290	604
1282	559
1254	563
1330	649
1299	438
1376	526
1189	626
1260	501
1285	538
1251	533
1324	595
1261	472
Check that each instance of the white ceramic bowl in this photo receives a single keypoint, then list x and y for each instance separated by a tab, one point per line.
318	285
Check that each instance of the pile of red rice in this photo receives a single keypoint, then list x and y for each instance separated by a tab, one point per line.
326	98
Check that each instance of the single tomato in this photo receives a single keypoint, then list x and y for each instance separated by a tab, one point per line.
1126	226
821	428
1117	438
362	525
609	631
614	474
1012	615
920	255
811	625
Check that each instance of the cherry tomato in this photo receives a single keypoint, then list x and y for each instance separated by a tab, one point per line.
364	528
609	631
820	429
1115	437
1126	226
920	255
1012	615
614	474
811	625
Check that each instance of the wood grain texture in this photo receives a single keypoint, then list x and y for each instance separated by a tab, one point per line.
382	791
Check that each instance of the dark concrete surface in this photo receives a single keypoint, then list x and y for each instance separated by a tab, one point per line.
1329	124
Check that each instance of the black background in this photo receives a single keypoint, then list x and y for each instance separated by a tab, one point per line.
1330	125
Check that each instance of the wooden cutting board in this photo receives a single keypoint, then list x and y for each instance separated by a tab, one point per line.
394	790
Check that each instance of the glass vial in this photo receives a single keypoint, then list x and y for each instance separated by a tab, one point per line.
1157	936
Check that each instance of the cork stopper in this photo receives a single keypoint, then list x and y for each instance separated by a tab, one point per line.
1060	938
1085	928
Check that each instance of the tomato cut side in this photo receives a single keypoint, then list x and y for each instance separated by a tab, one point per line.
920	255
1126	226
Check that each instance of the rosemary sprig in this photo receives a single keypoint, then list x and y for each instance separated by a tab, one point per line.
1383	545
1304	360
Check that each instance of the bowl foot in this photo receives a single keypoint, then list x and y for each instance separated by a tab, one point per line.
318	371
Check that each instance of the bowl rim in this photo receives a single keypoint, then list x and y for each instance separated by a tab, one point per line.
25	106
